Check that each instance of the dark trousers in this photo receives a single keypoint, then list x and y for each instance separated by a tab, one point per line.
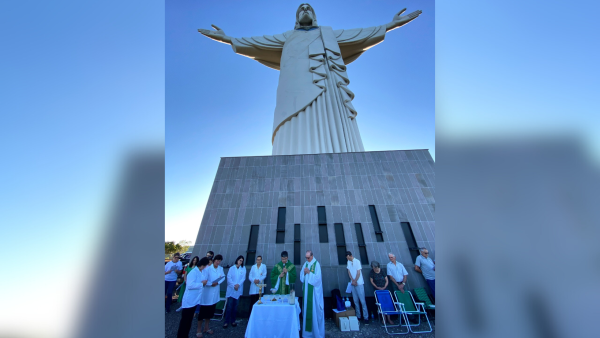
253	300
185	324
169	286
431	283
231	310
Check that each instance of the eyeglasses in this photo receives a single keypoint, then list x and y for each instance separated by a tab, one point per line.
307	257
425	253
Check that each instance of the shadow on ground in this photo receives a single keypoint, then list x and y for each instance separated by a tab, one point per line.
331	330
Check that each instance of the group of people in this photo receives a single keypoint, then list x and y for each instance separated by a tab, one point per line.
202	277
395	271
200	292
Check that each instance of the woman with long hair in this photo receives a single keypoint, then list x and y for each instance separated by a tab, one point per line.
196	280
235	286
188	268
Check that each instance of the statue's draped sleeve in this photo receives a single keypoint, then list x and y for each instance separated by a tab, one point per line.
354	42
265	49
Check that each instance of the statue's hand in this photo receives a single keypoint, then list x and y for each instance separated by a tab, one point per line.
217	34
400	20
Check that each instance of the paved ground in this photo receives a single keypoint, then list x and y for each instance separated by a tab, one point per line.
332	331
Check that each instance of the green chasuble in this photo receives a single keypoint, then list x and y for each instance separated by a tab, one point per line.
277	269
308	324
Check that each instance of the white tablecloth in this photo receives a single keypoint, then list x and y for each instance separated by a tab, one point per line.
274	319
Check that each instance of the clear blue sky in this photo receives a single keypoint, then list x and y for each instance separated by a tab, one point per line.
219	103
82	86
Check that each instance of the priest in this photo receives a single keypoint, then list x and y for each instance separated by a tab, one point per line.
282	275
313	324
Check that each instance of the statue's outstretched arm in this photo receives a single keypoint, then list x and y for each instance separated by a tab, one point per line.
399	20
265	49
218	34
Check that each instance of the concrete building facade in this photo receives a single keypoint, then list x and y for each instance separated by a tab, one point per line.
266	204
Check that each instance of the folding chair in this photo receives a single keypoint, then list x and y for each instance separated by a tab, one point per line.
423	297
407	304
386	306
221	307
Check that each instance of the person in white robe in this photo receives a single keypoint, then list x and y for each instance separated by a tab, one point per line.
197	278
258	273
314	111
235	287
313	324
210	295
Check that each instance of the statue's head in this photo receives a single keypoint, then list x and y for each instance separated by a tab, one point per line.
305	17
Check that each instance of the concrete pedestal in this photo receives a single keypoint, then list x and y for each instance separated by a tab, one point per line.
249	191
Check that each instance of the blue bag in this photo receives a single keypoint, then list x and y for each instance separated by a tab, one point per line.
340	303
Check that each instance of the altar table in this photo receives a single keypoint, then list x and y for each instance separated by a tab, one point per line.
274	319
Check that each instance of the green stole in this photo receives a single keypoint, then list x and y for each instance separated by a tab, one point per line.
308	323
278	268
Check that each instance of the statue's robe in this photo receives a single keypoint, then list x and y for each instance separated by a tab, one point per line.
285	281
313	324
314	112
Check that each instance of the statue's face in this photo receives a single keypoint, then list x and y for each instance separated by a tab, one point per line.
305	15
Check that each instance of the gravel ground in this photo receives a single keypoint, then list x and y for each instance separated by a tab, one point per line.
331	330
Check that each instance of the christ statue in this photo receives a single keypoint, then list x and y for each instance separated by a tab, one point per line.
314	112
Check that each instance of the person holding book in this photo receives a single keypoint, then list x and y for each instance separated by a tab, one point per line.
195	281
354	268
210	295
209	255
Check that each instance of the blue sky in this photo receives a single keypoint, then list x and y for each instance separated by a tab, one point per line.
219	103
83	84
518	69
82	87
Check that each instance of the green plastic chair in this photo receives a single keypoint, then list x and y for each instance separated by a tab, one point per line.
406	303
221	306
423	297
